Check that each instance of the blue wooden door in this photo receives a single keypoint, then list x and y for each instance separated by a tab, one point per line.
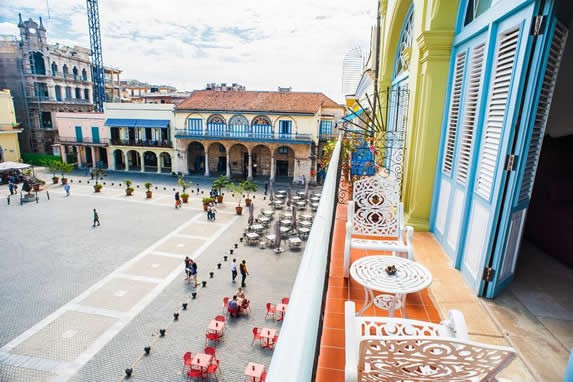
95	134
542	76
79	136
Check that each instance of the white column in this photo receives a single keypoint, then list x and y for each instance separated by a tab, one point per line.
228	165
94	163
250	167
63	153
126	161
79	154
141	162
272	167
159	164
206	164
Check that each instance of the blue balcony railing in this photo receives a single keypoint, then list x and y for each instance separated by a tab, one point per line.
247	136
295	353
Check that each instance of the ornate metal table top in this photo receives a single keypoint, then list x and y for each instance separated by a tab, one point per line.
370	272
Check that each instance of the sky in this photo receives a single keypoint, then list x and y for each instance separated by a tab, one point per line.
262	44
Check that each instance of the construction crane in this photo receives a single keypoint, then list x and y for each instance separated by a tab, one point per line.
98	78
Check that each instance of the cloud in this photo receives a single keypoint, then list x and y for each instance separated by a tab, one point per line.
260	44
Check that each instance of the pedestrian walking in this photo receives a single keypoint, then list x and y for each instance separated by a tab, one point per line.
266	188
213	213
177	200
244	272
67	189
193	272
187	268
96	218
11	187
234	269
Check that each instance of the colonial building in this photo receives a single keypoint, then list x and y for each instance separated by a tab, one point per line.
246	134
83	139
44	79
112	78
140	136
9	147
134	90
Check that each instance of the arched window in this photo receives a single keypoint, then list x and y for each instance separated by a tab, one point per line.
75	73
58	90
54	69
262	126
405	44
65	70
37	65
238	126
475	8
84	75
216	124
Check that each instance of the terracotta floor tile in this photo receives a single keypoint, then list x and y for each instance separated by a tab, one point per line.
331	357
417	312
334	306
334	321
337	292
329	375
333	338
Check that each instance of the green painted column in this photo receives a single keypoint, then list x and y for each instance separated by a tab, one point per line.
430	75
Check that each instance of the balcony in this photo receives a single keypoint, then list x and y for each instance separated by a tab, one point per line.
84	140
244	136
140	143
79	101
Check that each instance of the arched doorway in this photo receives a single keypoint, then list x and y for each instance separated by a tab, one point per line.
196	158
217	158
118	160
284	162
239	157
149	161
133	161
261	161
165	162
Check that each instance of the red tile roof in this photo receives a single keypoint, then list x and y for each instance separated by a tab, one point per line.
257	101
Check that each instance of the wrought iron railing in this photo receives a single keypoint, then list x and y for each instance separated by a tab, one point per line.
295	355
140	142
184	133
88	140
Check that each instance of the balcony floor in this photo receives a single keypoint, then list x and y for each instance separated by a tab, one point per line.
532	326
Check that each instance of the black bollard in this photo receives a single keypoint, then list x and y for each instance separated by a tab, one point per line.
184	306
147	349
204	283
161	332
218	265
128	372
236	245
194	295
211	274
225	257
175	316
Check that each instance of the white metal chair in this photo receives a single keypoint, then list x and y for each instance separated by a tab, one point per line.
395	349
377	213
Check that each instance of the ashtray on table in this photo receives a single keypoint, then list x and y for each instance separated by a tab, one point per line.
390	270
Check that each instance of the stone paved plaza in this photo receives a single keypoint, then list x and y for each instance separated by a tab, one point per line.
80	303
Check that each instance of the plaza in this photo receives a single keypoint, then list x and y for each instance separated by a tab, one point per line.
82	302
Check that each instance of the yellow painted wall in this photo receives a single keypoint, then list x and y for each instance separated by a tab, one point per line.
8	132
433	32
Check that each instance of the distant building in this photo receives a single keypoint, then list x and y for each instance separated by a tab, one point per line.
83	139
43	79
112	84
224	86
246	134
136	91
9	147
172	97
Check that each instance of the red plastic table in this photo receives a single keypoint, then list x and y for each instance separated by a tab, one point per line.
267	336
254	371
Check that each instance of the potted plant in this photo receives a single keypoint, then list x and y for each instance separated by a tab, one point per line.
184	185
65	168
98	173
249	188
148	193
53	166
218	184
206	200
236	191
128	188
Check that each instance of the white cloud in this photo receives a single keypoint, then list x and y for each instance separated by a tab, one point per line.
261	44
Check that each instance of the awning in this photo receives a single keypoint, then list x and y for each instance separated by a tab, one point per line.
142	123
353	115
5	166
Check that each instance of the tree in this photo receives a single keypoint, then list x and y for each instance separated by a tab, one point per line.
65	168
220	183
184	185
249	187
236	191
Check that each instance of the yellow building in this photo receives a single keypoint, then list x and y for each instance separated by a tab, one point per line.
9	147
414	57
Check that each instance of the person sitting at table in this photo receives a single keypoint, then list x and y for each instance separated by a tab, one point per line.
233	307
242	298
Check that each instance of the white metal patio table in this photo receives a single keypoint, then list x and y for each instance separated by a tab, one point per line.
370	272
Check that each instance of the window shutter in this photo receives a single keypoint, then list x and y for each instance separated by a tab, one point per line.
471	107
454	112
549	80
499	93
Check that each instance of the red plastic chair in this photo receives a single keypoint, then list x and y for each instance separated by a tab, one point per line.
212	369
194	373
273	342
263	376
220	318
285	300
187	358
211	337
271	310
256	335
225	304
234	312
211	351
